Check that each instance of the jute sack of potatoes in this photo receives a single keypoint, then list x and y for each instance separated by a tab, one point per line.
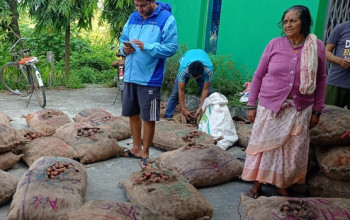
168	193
8	184
52	188
107	209
10	138
323	186
333	127
92	144
30	133
171	136
47	120
9	159
118	126
334	161
244	131
163	106
202	165
277	207
46	146
5	119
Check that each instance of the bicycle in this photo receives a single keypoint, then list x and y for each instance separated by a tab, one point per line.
21	76
120	65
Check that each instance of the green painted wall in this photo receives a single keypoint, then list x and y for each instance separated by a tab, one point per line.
190	18
245	26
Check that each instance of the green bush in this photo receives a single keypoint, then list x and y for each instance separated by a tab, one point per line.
74	82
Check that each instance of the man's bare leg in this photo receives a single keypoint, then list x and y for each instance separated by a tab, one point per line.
135	127
148	133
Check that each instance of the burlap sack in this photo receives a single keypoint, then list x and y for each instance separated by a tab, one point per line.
118	126
202	165
8	184
30	133
47	120
333	127
10	138
163	106
244	131
92	144
275	207
168	193
106	209
322	186
45	192
171	136
46	146
5	119
8	160
334	161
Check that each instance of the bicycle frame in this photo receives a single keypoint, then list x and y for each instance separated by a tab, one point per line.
30	62
27	80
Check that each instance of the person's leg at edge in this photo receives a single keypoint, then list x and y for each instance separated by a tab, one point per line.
148	133
135	127
256	190
173	101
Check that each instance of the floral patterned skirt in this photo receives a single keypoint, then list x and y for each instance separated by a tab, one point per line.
278	149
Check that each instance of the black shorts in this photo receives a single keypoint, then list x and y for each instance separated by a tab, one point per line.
141	100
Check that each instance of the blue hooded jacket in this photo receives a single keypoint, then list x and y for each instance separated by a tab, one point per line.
159	34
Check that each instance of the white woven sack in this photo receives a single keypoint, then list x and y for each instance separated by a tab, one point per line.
216	120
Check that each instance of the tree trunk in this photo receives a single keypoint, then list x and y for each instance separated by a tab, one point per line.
14	27
67	50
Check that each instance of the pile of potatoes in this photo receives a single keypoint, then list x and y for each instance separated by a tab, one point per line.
58	168
32	135
298	209
152	177
191	119
194	145
190	136
87	132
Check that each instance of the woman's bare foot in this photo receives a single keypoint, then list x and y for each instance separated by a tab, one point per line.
282	191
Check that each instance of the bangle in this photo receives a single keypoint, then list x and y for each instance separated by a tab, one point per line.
251	107
316	113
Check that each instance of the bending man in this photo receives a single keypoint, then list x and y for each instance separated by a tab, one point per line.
194	64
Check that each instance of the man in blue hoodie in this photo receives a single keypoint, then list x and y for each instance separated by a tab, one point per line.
148	38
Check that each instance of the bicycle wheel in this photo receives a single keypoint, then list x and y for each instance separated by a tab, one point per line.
37	85
13	79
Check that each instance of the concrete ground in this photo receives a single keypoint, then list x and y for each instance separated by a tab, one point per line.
103	177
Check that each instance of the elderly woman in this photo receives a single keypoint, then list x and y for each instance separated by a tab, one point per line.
289	86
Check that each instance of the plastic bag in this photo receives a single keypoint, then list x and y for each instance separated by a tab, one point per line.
216	120
245	96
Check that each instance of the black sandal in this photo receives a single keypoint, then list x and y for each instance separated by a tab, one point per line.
253	194
127	153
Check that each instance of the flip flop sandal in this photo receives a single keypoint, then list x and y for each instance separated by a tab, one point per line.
253	194
127	153
144	163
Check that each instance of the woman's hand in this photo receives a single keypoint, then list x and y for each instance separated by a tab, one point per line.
250	114
314	120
